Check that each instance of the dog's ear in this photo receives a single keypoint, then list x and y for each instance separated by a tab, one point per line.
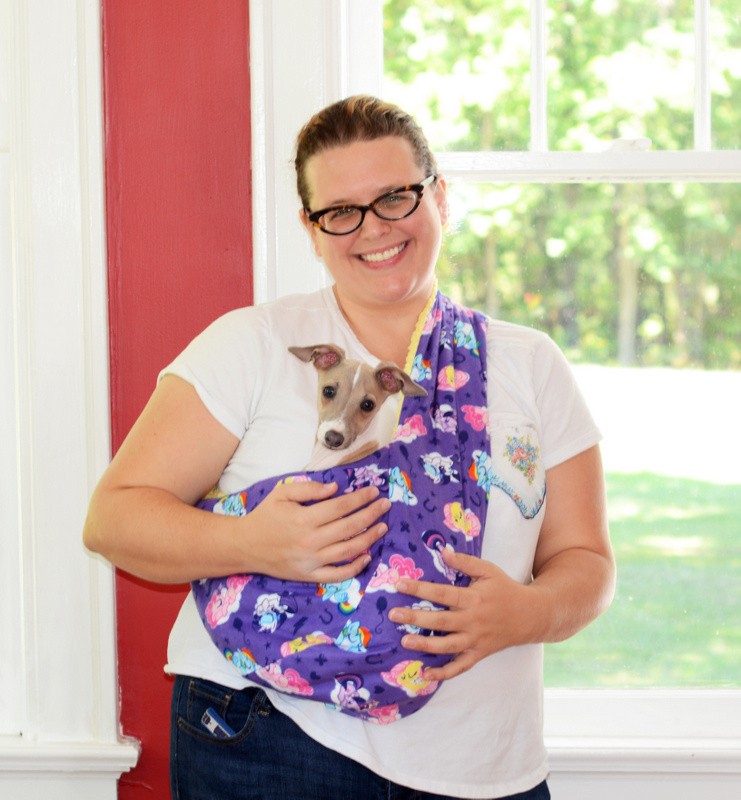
323	356
392	380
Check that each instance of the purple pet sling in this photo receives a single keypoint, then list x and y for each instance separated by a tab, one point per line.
334	643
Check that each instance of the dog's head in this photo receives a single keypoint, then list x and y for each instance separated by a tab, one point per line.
351	392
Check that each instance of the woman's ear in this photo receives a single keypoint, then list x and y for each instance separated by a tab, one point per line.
441	199
311	229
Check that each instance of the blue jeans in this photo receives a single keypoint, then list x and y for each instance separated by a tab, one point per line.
266	756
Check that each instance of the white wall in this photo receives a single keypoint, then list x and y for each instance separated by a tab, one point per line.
59	734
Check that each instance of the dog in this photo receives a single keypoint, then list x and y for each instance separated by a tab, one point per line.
349	396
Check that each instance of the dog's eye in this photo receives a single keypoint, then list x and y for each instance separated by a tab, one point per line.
367	405
329	392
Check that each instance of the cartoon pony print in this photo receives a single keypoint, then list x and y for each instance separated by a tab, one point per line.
367	475
400	487
233	505
422	605
226	601
476	416
421	369
463	335
353	638
242	660
481	470
349	693
435	543
410	429
440	469
451	379
444	419
304	643
407	675
384	715
272	610
388	575
346	595
289	681
461	519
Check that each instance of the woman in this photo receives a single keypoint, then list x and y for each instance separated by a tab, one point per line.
235	408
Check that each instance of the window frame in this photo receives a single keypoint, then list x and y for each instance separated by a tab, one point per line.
331	48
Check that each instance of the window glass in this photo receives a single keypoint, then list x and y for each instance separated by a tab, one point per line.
620	69
725	73
464	69
639	283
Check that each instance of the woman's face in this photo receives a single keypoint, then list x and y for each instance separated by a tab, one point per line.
383	263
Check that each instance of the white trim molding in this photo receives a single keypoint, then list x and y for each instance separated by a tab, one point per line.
63	737
304	54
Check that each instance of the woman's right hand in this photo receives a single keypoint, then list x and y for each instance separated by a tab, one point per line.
142	519
301	531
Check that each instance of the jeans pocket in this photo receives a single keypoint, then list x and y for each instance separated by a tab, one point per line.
239	709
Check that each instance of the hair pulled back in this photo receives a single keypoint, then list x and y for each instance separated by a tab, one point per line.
357	118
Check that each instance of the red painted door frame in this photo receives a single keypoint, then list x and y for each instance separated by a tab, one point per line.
178	212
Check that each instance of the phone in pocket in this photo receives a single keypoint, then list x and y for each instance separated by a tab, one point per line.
215	724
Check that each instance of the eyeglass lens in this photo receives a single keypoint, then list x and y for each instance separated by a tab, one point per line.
393	206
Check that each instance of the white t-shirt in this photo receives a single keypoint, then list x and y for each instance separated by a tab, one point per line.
481	734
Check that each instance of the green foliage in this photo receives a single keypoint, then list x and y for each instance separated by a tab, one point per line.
630	273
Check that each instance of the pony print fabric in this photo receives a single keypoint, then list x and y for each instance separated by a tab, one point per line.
334	643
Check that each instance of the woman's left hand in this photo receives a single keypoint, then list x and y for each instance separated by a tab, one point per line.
573	580
482	618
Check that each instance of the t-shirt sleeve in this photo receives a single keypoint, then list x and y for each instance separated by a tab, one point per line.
221	364
567	427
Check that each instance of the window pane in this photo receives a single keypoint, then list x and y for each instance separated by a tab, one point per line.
620	68
725	73
462	68
639	284
619	274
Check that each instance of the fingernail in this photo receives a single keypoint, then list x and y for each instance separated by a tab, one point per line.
402	585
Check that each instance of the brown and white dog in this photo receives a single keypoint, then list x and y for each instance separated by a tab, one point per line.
349	395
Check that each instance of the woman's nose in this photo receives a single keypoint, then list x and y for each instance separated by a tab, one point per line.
373	225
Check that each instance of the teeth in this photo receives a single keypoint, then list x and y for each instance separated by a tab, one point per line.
386	254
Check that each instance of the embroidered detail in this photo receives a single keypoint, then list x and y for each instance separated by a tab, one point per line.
523	456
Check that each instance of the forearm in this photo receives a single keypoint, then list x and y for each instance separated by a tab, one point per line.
569	592
154	535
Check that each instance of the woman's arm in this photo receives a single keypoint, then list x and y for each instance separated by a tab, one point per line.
573	580
142	519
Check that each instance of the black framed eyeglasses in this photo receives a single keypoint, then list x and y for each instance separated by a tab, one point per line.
391	206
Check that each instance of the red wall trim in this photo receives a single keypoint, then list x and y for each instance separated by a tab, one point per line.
177	110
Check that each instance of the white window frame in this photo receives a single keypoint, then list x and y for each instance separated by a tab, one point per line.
308	53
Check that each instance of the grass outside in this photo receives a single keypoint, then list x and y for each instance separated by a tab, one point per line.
676	617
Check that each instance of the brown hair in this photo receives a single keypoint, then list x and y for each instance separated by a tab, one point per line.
357	118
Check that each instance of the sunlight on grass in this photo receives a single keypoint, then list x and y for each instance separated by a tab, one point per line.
675	618
675	546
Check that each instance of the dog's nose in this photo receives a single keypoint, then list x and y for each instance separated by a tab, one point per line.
333	439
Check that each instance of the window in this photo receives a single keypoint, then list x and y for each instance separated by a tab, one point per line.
636	279
534	163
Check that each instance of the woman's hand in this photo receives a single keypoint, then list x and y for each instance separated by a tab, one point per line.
324	542
142	519
482	618
573	580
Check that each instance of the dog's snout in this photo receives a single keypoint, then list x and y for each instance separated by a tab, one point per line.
333	439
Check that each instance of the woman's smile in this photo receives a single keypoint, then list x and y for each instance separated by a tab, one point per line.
382	256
